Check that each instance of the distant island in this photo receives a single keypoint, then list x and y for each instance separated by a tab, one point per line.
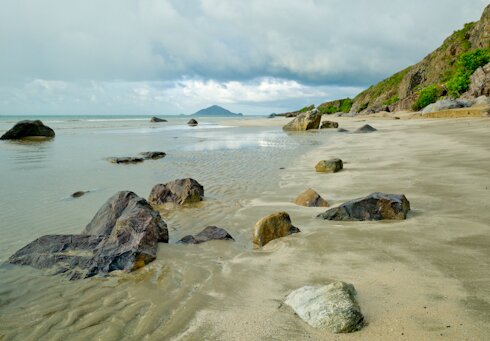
215	110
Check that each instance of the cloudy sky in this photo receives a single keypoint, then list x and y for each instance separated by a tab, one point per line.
174	56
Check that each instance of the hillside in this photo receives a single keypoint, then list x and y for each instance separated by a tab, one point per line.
433	74
215	110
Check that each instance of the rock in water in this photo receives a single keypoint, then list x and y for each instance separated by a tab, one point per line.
123	235
157	119
209	233
310	198
304	121
28	129
329	166
273	226
78	194
192	122
365	129
333	307
376	206
329	124
153	155
125	160
180	191
342	130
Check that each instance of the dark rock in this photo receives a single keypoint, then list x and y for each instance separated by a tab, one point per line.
329	124
123	235
329	166
78	194
192	122
273	226
209	233
157	119
365	129
342	130
28	129
180	191
376	206
153	155
125	160
304	121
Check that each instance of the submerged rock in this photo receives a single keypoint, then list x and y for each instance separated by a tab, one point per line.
329	166
329	124
273	226
376	206
192	122
333	307
78	194
342	130
157	119
310	198
153	155
180	191
209	233
365	129
125	160
123	235
304	121
28	128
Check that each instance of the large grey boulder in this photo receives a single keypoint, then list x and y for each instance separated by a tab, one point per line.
28	128
123	235
209	233
333	307
446	104
273	226
376	206
482	101
180	191
305	121
479	83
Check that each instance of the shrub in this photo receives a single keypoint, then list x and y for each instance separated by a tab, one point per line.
346	105
427	95
307	108
391	100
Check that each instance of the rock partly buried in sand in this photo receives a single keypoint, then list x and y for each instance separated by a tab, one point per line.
310	198
123	235
304	121
376	206
78	194
329	166
125	160
342	130
192	122
446	104
153	155
329	124
180	191
28	128
365	129
209	233
157	119
333	307
273	226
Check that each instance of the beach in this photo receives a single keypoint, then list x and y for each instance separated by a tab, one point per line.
423	278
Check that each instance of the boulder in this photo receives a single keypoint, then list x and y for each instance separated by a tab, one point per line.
209	233
273	226
123	235
304	121
152	155
78	194
333	307
157	119
445	104
180	191
310	198
125	160
479	83
329	124
482	101
28	128
192	122
376	206
329	166
365	129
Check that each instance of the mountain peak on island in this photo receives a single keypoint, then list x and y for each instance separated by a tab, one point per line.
215	110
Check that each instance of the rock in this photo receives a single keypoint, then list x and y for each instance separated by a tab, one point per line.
482	101
78	194
180	191
479	83
376	206
123	235
192	122
273	226
445	104
329	166
329	124
209	233
310	198
157	119
365	129
342	130
28	129
304	121
125	160
152	155
333	307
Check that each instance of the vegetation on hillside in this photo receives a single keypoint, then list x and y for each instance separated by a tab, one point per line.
343	105
466	65
427	95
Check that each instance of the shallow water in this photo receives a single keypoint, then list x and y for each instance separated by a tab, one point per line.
415	277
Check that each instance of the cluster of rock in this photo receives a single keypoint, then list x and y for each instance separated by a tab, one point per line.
27	128
143	156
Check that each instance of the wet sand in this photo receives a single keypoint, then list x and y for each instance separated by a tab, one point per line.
421	279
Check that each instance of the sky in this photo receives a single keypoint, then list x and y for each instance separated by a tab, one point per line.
159	57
